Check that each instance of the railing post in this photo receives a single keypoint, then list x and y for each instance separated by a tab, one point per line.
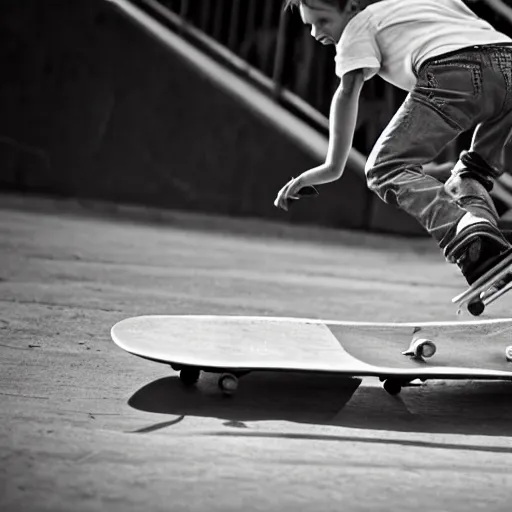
205	17
277	74
250	23
268	13
218	20
184	8
183	13
302	84
233	26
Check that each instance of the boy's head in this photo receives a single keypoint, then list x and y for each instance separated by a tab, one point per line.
328	18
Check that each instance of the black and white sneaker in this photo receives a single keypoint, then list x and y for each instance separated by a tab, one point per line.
477	249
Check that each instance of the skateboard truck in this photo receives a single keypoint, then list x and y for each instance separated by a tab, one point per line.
393	385
484	291
477	306
189	375
227	381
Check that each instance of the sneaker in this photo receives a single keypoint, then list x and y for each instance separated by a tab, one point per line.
477	249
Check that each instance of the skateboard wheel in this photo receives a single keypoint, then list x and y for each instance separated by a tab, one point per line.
424	348
393	387
421	348
189	376
228	383
508	353
476	308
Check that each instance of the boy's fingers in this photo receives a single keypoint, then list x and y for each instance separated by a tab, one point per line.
279	201
287	194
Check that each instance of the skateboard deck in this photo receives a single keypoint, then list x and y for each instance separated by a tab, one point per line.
397	353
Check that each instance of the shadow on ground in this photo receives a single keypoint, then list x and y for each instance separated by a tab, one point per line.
469	408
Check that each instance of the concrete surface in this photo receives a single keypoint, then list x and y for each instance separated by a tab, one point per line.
86	427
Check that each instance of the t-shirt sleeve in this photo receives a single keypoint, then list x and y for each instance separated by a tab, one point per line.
358	48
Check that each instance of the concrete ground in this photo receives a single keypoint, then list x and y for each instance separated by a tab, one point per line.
85	426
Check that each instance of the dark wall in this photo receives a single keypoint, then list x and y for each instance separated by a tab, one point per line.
93	107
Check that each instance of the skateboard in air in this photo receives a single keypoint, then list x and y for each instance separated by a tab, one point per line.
396	353
484	291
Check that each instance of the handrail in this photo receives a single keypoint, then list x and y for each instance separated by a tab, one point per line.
288	63
313	138
309	138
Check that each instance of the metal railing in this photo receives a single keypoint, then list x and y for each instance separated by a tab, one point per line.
274	49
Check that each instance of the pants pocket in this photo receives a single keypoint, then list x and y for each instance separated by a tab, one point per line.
453	88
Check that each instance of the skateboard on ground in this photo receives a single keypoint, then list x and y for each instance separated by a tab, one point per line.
396	353
483	291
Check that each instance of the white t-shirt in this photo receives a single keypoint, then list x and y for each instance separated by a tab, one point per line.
391	38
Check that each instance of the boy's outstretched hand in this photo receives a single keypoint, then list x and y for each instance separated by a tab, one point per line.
293	191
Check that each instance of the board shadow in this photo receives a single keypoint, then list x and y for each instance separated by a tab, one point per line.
452	407
260	396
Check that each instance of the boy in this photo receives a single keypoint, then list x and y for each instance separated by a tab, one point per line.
458	71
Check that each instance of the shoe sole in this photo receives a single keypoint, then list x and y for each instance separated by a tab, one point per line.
457	245
483	283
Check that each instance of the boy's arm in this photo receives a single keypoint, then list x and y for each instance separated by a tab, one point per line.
343	119
342	125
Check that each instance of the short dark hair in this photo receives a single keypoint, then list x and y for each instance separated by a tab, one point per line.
289	4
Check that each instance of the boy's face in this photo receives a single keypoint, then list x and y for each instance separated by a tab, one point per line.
327	21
